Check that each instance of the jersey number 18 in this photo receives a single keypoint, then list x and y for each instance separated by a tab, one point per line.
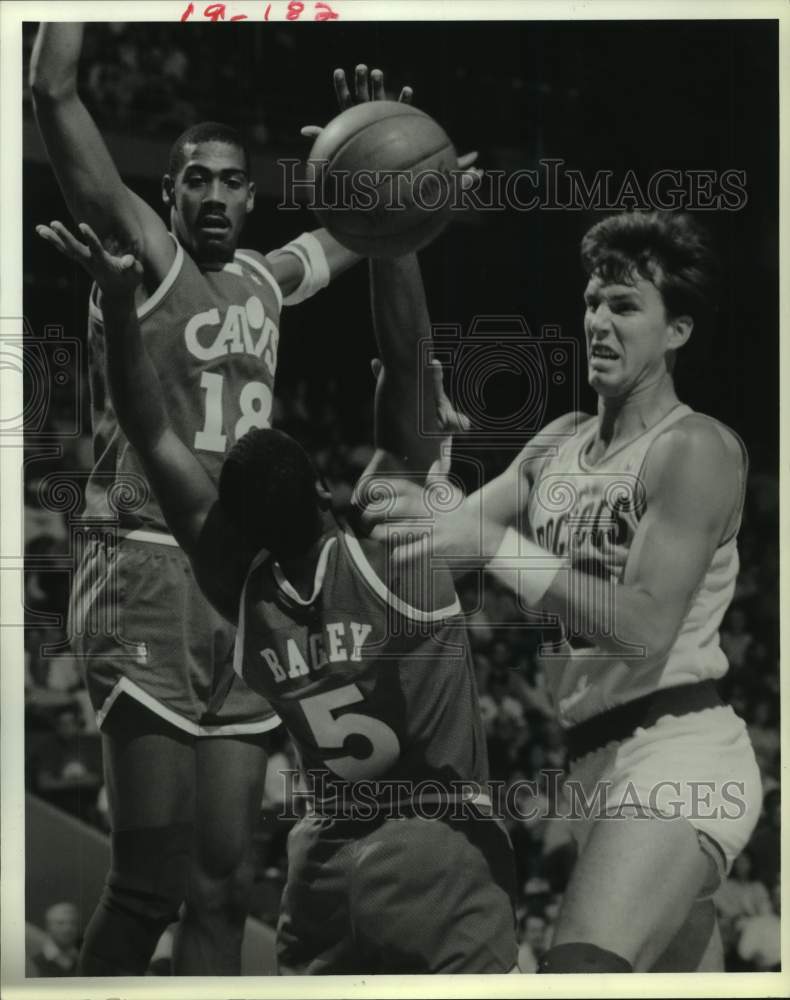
255	404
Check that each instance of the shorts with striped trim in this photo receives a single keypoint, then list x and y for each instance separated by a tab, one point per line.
141	626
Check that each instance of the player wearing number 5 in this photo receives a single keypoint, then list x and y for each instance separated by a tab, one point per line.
160	672
370	672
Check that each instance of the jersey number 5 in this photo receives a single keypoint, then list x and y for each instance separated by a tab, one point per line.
335	732
255	403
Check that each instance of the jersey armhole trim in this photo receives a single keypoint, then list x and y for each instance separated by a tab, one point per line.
257	266
744	477
380	588
318	581
159	293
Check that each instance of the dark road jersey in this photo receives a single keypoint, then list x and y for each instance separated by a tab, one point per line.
212	337
369	686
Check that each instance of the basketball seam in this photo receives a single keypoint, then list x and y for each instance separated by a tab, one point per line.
390	118
380	237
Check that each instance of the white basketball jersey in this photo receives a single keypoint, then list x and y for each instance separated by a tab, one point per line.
591	514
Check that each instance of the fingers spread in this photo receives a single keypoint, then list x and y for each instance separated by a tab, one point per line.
377	83
59	236
51	237
341	89
91	239
78	250
361	83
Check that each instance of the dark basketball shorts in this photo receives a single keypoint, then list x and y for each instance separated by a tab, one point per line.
141	627
405	896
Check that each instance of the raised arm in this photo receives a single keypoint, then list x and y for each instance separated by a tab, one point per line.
88	178
309	263
406	426
183	488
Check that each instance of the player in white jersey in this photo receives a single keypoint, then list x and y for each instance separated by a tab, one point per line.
623	527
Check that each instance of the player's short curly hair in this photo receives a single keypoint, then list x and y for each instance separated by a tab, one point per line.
668	248
206	132
267	487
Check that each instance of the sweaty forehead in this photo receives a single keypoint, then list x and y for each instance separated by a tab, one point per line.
213	154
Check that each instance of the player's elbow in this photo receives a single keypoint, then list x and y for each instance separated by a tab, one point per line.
647	625
657	644
49	89
657	633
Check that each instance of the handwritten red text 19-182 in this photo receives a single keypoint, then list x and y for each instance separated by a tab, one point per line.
291	11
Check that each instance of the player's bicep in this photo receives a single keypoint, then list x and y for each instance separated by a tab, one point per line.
691	488
93	188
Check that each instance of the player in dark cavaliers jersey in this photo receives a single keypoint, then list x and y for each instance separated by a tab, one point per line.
370	672
182	735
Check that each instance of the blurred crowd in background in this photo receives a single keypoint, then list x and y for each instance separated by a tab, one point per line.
147	79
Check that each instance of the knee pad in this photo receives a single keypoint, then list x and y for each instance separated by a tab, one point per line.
150	869
576	956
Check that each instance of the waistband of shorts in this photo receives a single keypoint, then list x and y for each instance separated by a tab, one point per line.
620	723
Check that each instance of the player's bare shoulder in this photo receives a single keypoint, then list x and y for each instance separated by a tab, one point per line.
698	436
702	459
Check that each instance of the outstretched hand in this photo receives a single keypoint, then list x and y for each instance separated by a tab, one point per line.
364	86
370	87
115	274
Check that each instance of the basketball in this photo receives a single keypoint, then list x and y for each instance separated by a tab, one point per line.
381	172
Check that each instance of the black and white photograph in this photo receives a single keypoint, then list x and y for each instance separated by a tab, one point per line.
391	497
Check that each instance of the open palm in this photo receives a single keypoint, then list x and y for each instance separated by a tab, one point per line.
115	274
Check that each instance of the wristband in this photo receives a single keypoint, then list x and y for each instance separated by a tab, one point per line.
316	267
526	568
